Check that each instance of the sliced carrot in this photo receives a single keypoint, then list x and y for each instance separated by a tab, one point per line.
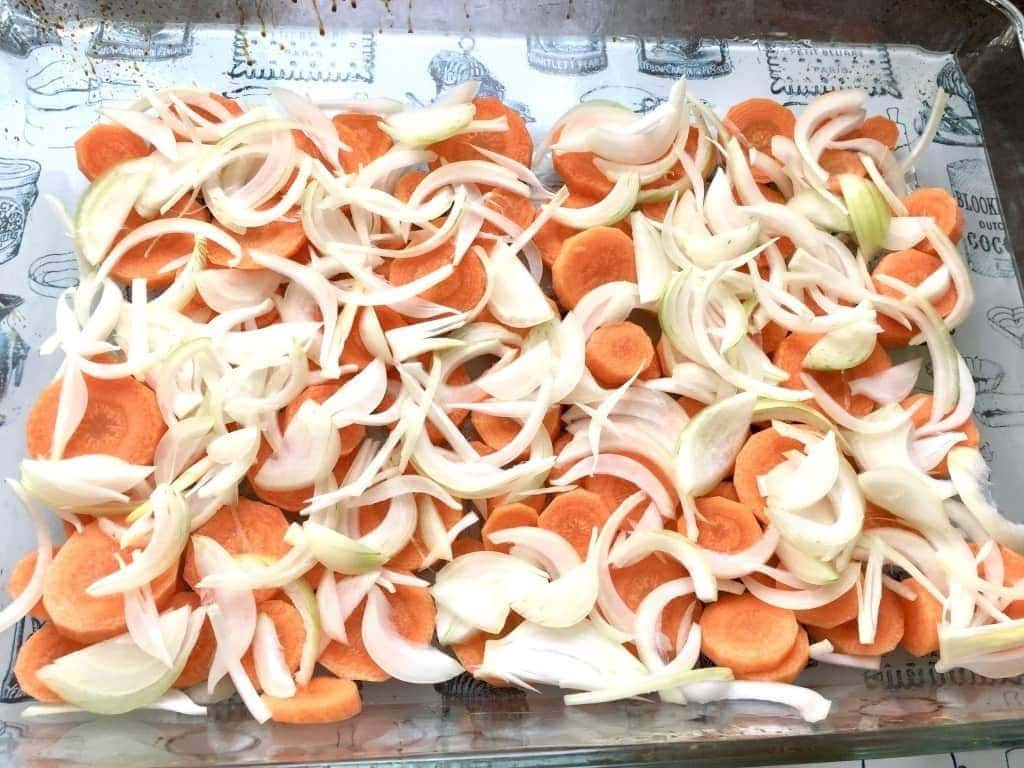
691	406
844	638
724	525
912	267
840	161
549	240
1013	571
105	145
772	335
790	357
44	646
407	183
574	516
920	418
291	633
652	371
121	419
284	237
579	172
324	700
507	516
655	210
355	351
635	582
20	576
840	611
757	121
197	668
515	207
941	206
147	259
466	545
514	143
921	619
591	258
250	527
84	558
615	352
747	635
364	131
413	616
411	556
726	489
790	667
762	452
499	431
461	290
878	128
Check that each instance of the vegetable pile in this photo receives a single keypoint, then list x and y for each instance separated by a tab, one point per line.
357	397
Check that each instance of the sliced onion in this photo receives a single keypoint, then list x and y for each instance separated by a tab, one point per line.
566	600
626	468
736	564
398	656
268	658
670	678
19	607
225	636
340	553
799	486
71	405
82	481
143	621
105	206
906	495
969	473
806	599
812	706
709	443
892	385
690	556
614	207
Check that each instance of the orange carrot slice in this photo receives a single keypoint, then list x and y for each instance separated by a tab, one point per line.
591	258
515	207
146	260
413	616
284	237
461	290
941	206
790	667
363	134
887	637
84	558
45	645
921	619
122	419
617	351
105	145
291	633
20	576
724	525
840	611
912	267
499	431
507	516
250	527
747	635
757	121
878	128
726	489
411	556
573	516
514	143
324	700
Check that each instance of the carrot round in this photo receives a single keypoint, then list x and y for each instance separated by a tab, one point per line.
121	419
461	290
499	431
890	631
635	582
724	525
747	635
615	352
251	527
197	668
726	489
324	700
411	556
407	184
691	406
284	237
463	546
549	240
507	516
20	576
941	206
921	619
573	516
363	131
757	121
514	143
510	205
839	161
790	357
147	259
44	646
920	418
790	667
591	258
84	558
105	145
879	128
579	172
831	615
1013	571
290	633
912	267
413	616
772	335
762	452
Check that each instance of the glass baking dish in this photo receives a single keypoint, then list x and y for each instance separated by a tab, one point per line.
59	63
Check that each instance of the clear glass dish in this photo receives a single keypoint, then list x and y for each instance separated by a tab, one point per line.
59	65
